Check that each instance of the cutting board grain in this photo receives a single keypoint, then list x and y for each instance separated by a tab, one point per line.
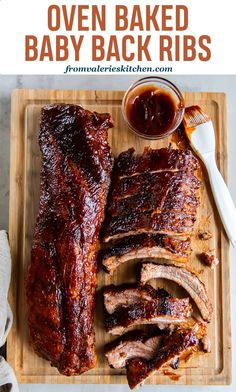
213	368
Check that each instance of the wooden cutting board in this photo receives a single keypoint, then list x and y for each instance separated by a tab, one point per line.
213	368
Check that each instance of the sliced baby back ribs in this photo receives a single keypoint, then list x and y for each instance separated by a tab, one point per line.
160	183
129	294
159	192
142	246
140	344
147	201
61	280
133	223
180	343
133	344
188	280
136	306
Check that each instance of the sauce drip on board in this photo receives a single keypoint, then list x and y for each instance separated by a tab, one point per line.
151	111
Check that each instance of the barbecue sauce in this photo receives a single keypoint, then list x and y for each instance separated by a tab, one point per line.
151	111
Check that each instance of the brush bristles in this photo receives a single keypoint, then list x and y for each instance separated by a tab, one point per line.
194	116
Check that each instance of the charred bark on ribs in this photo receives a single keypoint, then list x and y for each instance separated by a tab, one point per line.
61	280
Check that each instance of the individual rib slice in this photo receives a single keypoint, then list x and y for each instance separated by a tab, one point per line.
134	344
126	295
134	223
165	313
160	183
157	308
129	164
144	246
60	287
188	280
179	344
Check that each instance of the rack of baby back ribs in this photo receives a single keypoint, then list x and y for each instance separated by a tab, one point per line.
150	215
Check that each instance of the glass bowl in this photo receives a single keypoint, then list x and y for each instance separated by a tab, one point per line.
160	85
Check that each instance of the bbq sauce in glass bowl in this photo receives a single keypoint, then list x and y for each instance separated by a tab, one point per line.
153	111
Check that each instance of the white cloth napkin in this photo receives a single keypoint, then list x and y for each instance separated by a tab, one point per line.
8	382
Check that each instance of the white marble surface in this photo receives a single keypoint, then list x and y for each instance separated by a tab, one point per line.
225	84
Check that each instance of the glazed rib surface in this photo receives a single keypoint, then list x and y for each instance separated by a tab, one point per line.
127	186
61	280
159	192
164	159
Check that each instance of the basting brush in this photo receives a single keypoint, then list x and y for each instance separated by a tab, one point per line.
200	132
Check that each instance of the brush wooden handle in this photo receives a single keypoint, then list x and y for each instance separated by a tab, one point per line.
222	198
